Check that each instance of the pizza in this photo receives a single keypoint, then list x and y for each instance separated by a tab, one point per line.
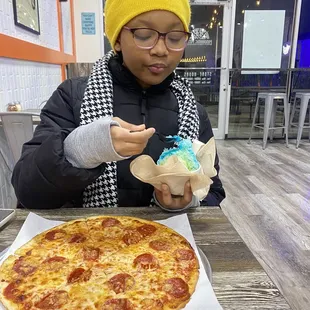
104	263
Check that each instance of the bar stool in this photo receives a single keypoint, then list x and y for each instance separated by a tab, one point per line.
304	103
271	105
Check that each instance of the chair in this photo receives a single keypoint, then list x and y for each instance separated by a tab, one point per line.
304	104
271	105
18	129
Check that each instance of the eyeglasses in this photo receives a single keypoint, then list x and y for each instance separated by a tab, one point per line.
147	38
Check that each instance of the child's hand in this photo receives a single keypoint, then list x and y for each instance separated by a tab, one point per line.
167	201
128	143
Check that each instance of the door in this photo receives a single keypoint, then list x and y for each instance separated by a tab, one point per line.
206	59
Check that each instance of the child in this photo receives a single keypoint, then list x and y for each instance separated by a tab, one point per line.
81	151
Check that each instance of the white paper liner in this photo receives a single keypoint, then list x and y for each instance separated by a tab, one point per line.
203	297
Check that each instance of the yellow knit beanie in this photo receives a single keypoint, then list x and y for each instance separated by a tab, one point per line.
119	12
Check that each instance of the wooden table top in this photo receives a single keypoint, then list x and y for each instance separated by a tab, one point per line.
239	281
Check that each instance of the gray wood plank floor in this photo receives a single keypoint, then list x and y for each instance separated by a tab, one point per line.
268	202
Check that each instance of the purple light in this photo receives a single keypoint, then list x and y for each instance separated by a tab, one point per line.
304	54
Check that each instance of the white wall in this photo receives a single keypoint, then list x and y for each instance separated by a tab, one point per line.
89	48
27	82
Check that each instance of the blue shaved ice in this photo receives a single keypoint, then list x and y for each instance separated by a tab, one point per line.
184	151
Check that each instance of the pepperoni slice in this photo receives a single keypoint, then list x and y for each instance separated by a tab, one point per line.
23	268
90	253
146	261
117	304
55	259
121	283
54	300
79	275
77	238
176	287
151	304
12	292
132	237
55	263
146	230
183	254
55	234
159	245
110	222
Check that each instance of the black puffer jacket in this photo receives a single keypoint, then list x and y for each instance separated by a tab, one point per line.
43	178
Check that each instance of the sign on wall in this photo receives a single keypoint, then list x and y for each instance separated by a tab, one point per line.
263	40
88	23
200	36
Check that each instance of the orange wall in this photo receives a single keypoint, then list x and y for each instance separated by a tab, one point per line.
19	49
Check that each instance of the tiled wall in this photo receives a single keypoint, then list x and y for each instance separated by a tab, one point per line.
27	82
49	36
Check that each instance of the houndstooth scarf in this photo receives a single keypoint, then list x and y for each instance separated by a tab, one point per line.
98	103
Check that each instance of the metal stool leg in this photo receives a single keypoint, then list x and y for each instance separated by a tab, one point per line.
293	111
267	119
254	118
273	119
286	119
302	118
289	126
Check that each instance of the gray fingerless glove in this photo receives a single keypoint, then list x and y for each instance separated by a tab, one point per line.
91	145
